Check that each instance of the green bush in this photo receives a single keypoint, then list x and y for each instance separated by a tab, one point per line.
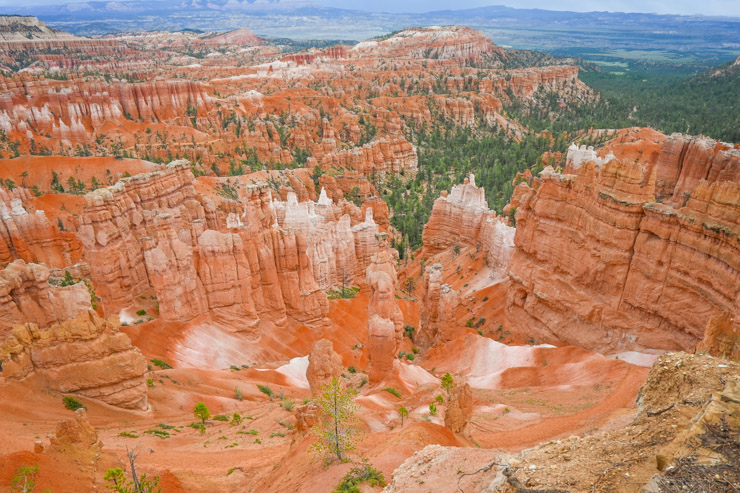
393	391
128	434
198	426
236	419
287	404
410	357
432	409
221	417
72	404
266	390
158	433
364	473
352	369
141	313
162	364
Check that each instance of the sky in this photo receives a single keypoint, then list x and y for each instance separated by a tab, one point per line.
685	7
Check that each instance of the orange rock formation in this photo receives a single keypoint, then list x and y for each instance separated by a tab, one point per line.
602	263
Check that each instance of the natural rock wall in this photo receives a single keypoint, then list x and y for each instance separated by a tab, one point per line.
462	218
442	43
73	110
53	333
31	237
339	251
439	302
391	155
154	232
385	320
600	264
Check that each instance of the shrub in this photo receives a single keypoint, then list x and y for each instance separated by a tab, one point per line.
352	369
158	433
266	390
470	323
238	394
364	473
432	409
236	419
410	357
165	426
277	434
221	417
485	298
408	331
250	432
439	399
201	412
393	391
287	404
198	426
162	364
128	434
72	404
150	382
141	313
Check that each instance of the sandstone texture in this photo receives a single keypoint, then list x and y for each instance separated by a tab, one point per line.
459	408
385	319
616	254
53	333
462	218
323	365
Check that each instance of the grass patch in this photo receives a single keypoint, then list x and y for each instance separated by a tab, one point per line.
266	390
158	433
342	293
393	391
162	364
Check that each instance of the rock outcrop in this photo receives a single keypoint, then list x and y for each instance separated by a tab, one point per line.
439	302
441	43
462	218
323	365
154	232
385	320
33	238
601	263
459	408
53	333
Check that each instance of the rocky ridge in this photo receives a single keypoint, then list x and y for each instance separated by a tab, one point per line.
640	232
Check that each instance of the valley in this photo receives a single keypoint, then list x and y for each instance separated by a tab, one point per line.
509	278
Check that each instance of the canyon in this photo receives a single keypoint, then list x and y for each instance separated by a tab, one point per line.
195	217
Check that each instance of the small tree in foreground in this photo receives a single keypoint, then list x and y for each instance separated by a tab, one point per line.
116	479
337	429
24	479
404	414
201	412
